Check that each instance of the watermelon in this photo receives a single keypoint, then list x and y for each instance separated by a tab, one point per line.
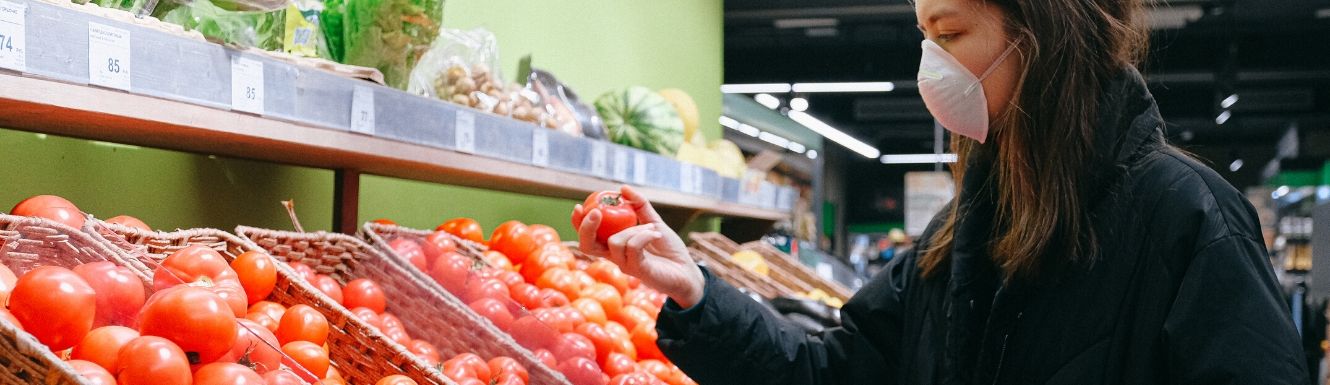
640	118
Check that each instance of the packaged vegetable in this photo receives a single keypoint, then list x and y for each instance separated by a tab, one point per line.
639	117
263	30
390	35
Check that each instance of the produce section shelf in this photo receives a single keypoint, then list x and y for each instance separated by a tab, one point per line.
180	94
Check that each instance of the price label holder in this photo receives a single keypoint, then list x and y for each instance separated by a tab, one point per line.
540	147
686	178
599	163
13	35
108	56
362	110
620	165
247	85
639	169
464	125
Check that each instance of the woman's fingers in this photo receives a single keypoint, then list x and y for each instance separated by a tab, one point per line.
619	245
645	213
633	250
586	235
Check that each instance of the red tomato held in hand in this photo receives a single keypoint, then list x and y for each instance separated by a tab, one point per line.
196	320
309	356
575	345
465	228
582	371
257	272
616	364
130	222
55	305
506	365
644	339
201	266
411	252
92	373
102	346
364	293
120	293
328	286
438	243
302	323
150	360
51	207
282	377
451	271
495	311
545	357
425	351
255	348
615	214
396	379
225	373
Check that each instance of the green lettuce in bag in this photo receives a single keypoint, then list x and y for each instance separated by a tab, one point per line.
390	35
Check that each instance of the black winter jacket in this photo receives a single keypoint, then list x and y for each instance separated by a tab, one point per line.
1182	292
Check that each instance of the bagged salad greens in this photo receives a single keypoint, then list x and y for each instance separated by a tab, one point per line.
390	35
293	28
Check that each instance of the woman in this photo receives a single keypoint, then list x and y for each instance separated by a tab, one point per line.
1081	249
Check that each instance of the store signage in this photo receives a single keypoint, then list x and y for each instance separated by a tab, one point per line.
926	193
108	56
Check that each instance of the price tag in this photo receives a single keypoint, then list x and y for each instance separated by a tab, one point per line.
699	179
540	147
362	110
108	56
247	85
620	165
639	169
13	33
465	127
599	163
686	178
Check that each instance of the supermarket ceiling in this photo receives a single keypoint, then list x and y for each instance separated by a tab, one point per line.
1274	54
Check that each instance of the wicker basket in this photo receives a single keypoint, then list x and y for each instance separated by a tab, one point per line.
424	307
719	263
27	243
724	247
798	270
361	353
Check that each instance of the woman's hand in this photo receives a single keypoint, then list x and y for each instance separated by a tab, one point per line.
649	251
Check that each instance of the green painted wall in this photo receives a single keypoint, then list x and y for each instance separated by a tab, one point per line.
594	46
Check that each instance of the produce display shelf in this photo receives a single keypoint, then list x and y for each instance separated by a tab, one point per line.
180	96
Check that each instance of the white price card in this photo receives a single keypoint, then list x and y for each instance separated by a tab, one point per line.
108	56
699	178
246	85
599	166
620	165
686	178
465	128
362	110
639	169
13	33
540	147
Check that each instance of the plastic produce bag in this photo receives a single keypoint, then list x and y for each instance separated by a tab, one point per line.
263	30
458	64
571	115
390	35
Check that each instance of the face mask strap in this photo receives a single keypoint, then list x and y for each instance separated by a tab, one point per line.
989	71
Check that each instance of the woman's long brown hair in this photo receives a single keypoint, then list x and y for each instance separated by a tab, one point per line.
1042	145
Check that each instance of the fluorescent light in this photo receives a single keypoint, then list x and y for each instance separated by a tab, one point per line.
799	104
1323	13
767	100
1235	166
776	88
835	135
796	147
774	139
806	23
729	122
1279	192
844	87
749	130
1223	117
1229	101
918	158
812	154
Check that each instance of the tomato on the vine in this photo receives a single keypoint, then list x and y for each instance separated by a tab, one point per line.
102	346
130	222
257	272
196	320
364	293
226	373
51	207
92	373
120	293
615	214
55	305
302	323
150	360
465	228
201	266
309	356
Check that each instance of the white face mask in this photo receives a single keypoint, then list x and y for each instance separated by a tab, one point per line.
953	94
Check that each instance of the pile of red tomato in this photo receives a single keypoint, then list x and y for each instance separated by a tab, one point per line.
587	319
206	322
